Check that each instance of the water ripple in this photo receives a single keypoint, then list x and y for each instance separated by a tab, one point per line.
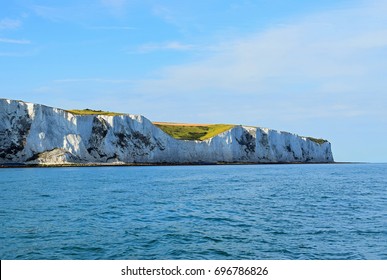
195	212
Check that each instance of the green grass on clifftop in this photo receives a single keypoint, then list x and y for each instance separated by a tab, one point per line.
317	140
193	132
92	112
181	131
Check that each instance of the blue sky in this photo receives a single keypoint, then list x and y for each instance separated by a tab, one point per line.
314	68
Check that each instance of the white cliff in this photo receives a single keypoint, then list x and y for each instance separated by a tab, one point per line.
37	134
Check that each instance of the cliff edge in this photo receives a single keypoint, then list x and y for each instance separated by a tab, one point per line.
37	134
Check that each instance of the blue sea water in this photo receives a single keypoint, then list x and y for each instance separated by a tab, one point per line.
331	211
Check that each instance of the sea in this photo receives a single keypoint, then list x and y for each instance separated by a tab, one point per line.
239	212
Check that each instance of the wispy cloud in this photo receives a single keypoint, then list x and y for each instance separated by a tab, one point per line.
334	57
19	53
14	41
171	15
77	12
7	23
164	13
93	80
117	4
111	28
82	11
52	13
116	7
172	46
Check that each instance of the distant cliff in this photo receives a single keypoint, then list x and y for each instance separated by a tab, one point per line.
37	134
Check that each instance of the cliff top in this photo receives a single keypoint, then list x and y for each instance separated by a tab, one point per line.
181	131
193	131
92	112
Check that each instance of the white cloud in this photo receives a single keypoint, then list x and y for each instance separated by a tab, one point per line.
114	3
174	46
94	80
50	13
326	56
111	28
175	17
14	41
164	13
7	23
20	54
79	12
116	7
57	14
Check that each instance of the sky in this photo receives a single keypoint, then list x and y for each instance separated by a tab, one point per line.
314	68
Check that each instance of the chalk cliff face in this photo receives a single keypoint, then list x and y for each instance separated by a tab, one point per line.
37	134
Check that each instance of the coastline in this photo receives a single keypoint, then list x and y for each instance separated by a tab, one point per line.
98	138
15	165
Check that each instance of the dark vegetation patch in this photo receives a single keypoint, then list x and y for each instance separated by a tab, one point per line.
248	141
194	132
92	112
317	140
13	139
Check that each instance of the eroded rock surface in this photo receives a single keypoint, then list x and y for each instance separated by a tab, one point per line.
37	134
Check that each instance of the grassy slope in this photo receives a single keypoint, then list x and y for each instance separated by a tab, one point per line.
182	132
318	141
92	112
194	132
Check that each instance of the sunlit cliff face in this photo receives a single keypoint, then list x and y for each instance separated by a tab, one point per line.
37	134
